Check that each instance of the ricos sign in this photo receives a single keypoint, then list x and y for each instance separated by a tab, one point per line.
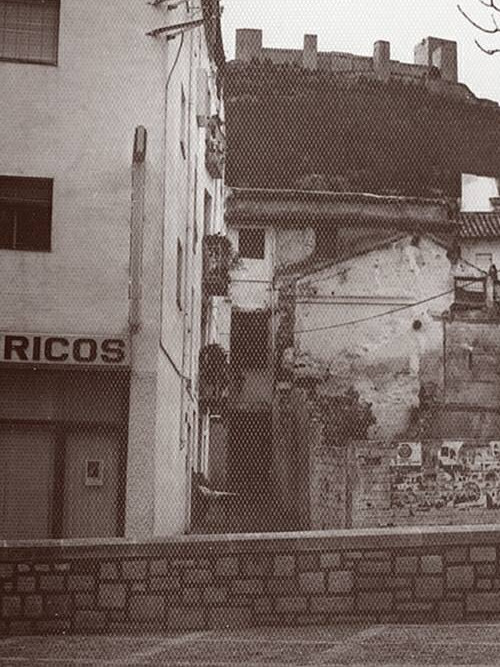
62	349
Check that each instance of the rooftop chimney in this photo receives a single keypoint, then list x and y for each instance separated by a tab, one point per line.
382	58
310	52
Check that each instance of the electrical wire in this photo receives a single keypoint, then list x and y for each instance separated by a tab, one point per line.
340	325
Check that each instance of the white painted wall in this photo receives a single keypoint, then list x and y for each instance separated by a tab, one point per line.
251	279
75	123
385	359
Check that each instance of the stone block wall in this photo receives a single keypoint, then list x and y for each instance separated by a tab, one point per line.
196	583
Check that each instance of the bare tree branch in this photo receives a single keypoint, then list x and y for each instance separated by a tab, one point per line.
480	27
490	52
491	4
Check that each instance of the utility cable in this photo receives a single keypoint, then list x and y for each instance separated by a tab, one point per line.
379	315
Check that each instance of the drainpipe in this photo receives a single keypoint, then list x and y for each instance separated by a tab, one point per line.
188	270
137	228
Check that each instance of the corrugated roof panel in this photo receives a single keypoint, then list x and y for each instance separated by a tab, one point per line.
479	225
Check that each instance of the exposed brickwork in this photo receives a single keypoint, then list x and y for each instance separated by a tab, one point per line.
448	575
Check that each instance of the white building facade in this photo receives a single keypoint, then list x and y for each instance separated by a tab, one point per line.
110	177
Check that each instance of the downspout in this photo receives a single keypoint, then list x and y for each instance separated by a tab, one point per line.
188	267
137	229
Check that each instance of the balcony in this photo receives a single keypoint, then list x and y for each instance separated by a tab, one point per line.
214	379
217	255
215	151
470	293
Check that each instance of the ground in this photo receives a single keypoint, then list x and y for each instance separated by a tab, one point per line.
387	645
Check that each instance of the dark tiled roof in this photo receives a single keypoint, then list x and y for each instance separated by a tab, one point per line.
479	225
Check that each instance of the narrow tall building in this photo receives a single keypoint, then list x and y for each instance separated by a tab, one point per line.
111	176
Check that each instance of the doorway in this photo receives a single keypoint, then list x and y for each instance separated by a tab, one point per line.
26	483
249	469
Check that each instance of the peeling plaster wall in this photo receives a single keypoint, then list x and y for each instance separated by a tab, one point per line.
294	245
385	359
473	364
432	491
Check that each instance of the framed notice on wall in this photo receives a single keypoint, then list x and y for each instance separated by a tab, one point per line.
94	472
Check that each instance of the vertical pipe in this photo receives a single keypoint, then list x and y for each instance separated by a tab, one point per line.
137	228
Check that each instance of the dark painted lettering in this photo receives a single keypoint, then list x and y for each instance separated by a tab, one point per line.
17	345
37	348
113	351
50	346
85	350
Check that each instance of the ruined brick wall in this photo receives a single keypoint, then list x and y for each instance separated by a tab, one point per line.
330	501
448	483
380	576
295	432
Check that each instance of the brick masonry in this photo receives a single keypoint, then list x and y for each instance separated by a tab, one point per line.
207	582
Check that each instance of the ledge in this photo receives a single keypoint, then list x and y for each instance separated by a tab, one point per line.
338	540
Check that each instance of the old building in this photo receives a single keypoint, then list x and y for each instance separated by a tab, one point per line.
110	180
360	311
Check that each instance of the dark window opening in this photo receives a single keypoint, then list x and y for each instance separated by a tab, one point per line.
249	340
251	243
326	241
29	31
25	213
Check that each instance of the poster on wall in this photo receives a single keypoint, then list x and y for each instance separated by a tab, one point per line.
452	474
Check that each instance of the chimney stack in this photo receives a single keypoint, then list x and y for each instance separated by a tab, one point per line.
310	52
382	59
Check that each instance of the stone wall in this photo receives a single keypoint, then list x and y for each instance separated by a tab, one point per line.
447	482
389	575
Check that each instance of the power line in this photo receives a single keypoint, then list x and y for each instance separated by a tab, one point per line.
374	317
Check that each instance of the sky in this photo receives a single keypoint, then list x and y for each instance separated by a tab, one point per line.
354	26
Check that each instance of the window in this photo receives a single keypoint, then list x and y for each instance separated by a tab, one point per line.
250	340
29	31
183	123
326	241
252	243
180	263
25	213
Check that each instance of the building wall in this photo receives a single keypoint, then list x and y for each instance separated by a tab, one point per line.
75	123
251	279
476	251
384	358
79	129
379	488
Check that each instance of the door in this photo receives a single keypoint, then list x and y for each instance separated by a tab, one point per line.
250	451
91	485
26	483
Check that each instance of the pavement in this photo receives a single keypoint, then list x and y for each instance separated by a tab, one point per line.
353	646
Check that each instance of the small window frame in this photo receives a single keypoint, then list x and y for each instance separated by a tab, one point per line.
20	198
252	243
50	62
